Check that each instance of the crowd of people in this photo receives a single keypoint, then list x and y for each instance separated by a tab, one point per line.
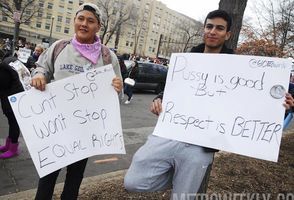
160	163
135	57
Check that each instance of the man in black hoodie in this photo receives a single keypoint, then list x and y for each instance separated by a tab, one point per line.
9	84
161	163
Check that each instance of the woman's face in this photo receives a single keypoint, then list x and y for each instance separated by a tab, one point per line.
38	51
86	26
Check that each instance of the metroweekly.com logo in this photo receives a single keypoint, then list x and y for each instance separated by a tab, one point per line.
234	196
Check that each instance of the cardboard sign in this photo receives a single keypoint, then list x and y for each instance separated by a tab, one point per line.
24	54
228	102
74	118
23	74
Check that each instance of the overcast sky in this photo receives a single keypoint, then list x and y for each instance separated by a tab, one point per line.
196	9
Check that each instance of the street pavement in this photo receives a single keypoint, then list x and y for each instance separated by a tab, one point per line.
19	178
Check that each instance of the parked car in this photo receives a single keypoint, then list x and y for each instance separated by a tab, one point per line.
151	76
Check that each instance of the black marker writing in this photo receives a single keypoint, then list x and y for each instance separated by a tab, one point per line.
107	140
58	151
46	105
240	81
93	74
263	63
86	116
50	127
255	129
184	120
76	91
62	150
43	159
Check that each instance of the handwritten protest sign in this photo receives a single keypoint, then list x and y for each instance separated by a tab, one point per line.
227	102
72	119
24	54
23	73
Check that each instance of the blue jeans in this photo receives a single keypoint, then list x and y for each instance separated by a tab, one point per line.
128	90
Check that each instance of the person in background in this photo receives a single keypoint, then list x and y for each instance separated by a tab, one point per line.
9	84
86	52
128	89
123	69
124	73
27	45
292	78
34	57
7	48
20	44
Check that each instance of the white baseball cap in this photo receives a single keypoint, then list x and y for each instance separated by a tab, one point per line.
92	8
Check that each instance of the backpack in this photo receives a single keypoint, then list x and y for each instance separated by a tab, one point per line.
106	56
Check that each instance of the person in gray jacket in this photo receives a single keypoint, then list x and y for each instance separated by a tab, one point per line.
63	59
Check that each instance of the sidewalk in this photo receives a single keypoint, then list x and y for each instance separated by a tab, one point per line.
87	182
19	177
92	184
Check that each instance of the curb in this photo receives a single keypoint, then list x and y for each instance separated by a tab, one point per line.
30	194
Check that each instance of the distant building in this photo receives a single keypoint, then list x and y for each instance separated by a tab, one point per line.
57	13
153	30
161	30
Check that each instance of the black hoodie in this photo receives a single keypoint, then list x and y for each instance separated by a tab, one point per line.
200	49
9	79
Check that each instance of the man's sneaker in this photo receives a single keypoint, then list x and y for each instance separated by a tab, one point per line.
127	102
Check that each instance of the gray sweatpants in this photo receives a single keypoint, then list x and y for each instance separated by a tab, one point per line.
161	163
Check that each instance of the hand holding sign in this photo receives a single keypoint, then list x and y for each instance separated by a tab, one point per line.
234	105
70	121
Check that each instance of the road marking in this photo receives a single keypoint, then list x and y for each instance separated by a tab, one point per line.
106	160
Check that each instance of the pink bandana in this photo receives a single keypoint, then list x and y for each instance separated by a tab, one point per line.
89	51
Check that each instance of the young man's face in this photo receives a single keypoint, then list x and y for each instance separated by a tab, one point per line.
215	33
86	27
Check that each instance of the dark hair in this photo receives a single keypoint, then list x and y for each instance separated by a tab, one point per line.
121	61
89	8
221	14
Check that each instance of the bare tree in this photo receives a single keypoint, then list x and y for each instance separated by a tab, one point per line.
275	24
137	33
19	12
190	32
115	13
236	9
138	23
